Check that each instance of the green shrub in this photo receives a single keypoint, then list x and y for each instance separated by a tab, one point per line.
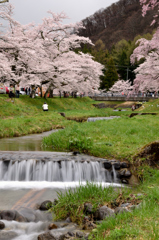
80	143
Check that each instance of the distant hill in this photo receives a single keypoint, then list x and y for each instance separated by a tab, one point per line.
122	20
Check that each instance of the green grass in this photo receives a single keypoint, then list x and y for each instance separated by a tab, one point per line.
25	115
71	203
119	138
141	223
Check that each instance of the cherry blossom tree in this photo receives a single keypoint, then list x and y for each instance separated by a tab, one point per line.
147	78
121	86
148	5
45	54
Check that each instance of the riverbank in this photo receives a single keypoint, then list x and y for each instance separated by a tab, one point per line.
120	138
25	116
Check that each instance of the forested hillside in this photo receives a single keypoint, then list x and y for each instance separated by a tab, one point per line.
122	20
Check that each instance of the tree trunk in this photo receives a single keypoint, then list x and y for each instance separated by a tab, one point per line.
51	93
32	94
41	95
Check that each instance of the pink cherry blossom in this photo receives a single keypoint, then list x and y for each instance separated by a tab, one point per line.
44	54
147	78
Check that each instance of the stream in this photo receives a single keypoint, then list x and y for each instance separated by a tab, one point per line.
30	142
30	174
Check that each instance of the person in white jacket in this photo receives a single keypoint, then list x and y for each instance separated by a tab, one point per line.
45	106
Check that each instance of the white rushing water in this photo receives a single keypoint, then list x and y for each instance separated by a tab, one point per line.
55	171
24	231
50	185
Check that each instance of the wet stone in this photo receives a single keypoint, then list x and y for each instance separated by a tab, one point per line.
124	165
29	214
125	204
125	181
121	210
127	174
52	226
2	225
116	165
124	173
88	208
8	215
80	234
71	234
45	205
103	212
107	165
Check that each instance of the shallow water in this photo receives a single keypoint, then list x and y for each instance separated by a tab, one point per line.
31	142
51	185
13	190
25	231
94	119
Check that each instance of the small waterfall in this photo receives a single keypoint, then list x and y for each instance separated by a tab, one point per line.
94	119
114	174
53	171
24	231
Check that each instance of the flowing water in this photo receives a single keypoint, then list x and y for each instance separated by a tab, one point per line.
94	119
51	171
32	142
24	170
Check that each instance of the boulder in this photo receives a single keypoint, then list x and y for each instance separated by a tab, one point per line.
2	225
11	215
133	180
45	236
124	165
51	236
71	234
133	207
124	173
20	218
121	210
103	212
125	205
57	235
68	220
127	173
45	205
107	165
8	215
52	226
88	208
116	165
89	225
80	234
125	181
29	214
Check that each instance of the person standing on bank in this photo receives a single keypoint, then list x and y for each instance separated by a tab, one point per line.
17	91
45	106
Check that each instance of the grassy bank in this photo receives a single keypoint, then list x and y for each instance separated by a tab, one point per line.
140	223
25	115
119	138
